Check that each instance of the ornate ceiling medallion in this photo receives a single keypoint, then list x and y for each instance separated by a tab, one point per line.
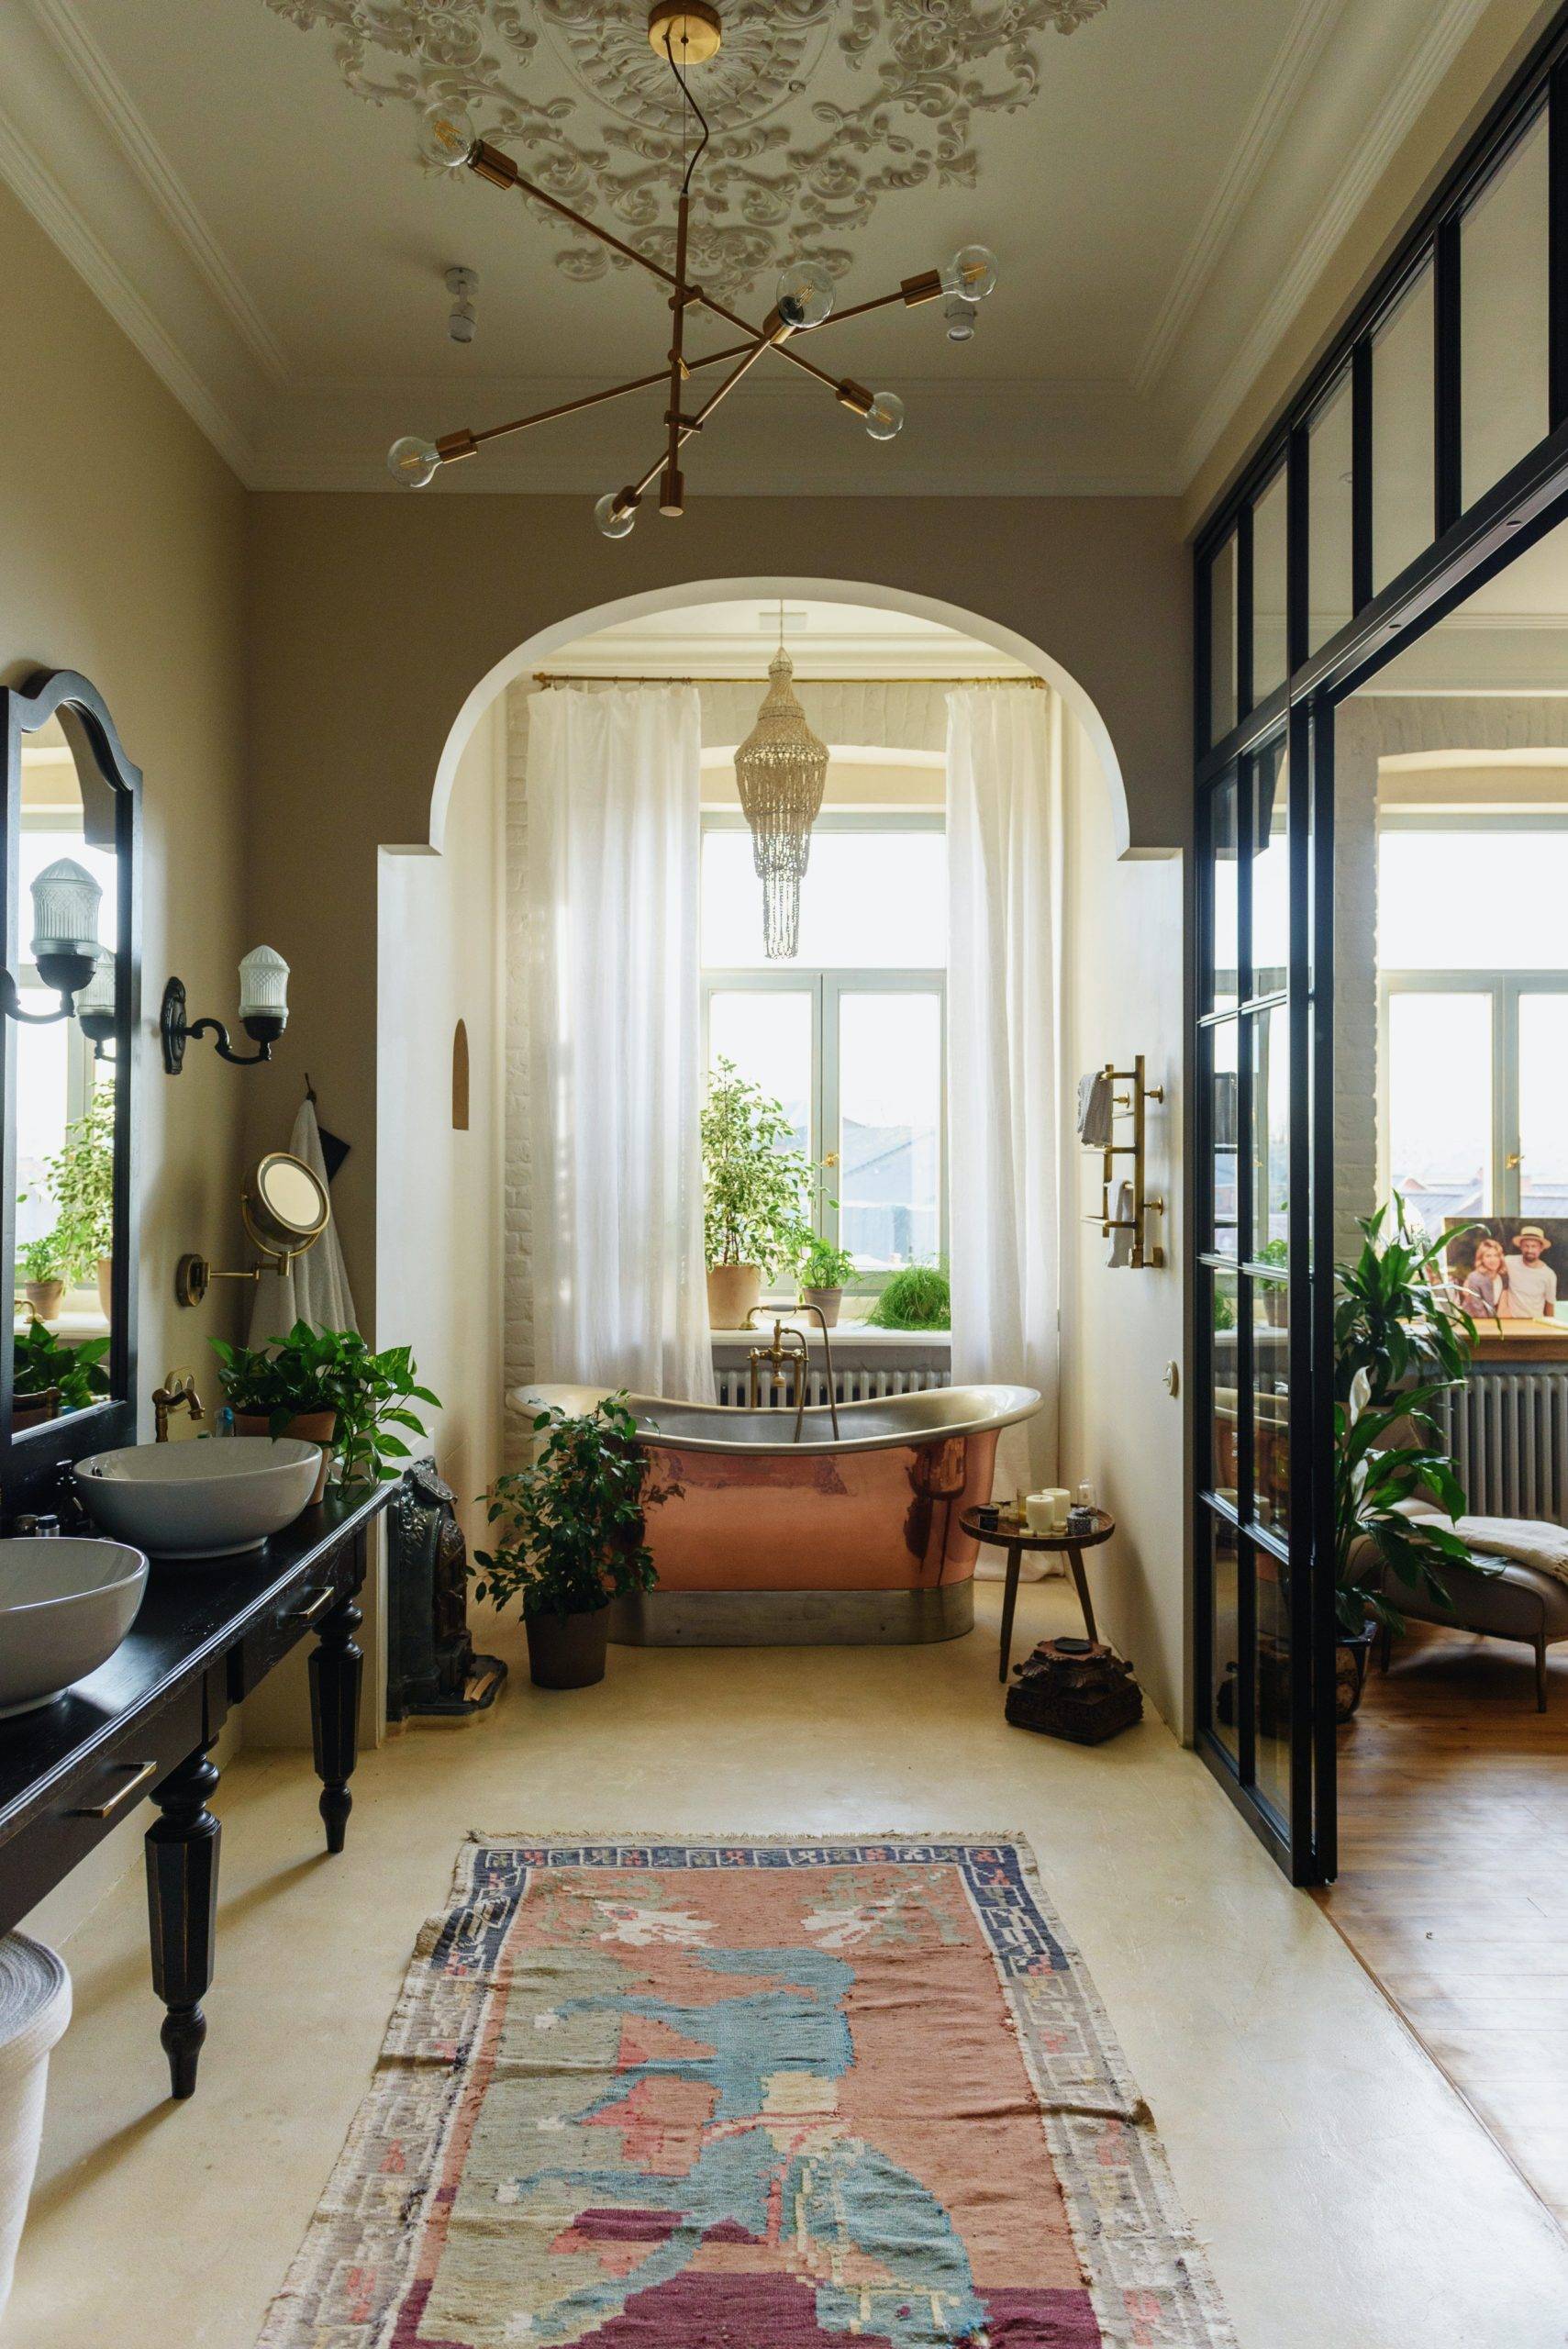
827	106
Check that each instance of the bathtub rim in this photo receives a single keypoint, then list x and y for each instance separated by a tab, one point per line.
999	1405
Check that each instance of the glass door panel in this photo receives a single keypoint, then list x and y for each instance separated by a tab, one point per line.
1404	434
1543	1145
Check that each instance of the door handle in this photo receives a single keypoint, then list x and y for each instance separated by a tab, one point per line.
1514	1157
142	1771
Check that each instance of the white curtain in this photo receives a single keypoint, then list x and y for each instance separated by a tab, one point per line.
620	1291
1004	786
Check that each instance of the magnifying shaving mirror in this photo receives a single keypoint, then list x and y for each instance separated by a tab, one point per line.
284	1209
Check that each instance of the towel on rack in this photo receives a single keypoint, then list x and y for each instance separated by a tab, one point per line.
1096	1102
1122	1234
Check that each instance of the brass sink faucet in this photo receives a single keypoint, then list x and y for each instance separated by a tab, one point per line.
174	1395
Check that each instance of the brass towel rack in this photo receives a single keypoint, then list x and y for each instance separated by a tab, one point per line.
1134	1104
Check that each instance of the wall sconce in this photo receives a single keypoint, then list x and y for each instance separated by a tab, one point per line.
95	1006
263	1013
65	939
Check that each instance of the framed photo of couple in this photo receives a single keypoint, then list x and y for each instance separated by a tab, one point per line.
1506	1268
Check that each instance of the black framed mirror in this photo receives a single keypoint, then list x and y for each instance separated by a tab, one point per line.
71	1003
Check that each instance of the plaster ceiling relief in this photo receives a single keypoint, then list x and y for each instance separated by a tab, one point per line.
819	108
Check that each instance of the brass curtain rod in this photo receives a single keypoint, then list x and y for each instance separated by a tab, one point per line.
549	677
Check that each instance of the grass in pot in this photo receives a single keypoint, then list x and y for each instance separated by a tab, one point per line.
571	1537
49	1377
326	1387
824	1272
756	1194
918	1297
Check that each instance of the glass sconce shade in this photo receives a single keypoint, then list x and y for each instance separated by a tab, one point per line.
263	990
447	135
65	914
413	460
804	296
972	272
615	522
884	417
97	1000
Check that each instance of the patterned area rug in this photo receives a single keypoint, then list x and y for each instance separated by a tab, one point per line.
749	2096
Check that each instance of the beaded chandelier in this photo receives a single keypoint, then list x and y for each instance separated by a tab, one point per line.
781	769
686	33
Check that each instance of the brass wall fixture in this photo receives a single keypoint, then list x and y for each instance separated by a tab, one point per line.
284	1209
686	36
1142	1254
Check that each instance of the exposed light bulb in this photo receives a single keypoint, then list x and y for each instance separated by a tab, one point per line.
413	460
615	520
970	272
803	295
447	135
959	316
884	417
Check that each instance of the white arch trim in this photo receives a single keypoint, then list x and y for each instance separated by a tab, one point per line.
538	648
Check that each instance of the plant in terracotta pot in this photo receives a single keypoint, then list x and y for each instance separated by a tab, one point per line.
756	1194
326	1387
49	1377
824	1271
43	1269
81	1178
1400	1343
571	1537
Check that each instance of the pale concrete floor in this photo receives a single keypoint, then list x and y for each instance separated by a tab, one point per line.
1345	2193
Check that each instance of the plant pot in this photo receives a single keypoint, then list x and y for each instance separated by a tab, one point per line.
1352	1650
310	1427
568	1651
107	1287
35	2007
733	1291
45	1297
31	1410
827	1301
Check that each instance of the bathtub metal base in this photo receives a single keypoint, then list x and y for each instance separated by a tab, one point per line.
792	1618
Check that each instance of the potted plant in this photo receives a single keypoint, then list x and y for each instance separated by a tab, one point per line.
326	1387
43	1269
49	1377
916	1297
81	1178
572	1538
756	1194
823	1270
1400	1342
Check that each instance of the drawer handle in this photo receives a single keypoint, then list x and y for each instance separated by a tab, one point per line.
320	1601
118	1801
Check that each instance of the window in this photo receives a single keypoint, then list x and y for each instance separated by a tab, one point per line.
1474	1016
54	1062
850	1033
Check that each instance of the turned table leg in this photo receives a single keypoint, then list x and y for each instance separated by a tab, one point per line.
1009	1602
182	1905
336	1668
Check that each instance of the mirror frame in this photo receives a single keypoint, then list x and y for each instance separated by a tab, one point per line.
35	1463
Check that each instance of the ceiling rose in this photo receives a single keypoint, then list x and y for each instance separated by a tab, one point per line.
821	107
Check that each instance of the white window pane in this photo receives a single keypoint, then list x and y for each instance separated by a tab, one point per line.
768	1036
1329	530
1440	1103
1504	305
1404	435
1269	589
1471	901
890	1094
869	901
41	1112
1543	1104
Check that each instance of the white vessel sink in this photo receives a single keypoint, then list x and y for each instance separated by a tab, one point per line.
207	1499
65	1606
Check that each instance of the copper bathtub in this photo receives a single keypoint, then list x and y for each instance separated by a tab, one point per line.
851	1538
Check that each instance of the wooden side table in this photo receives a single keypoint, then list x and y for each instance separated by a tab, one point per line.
1016	1540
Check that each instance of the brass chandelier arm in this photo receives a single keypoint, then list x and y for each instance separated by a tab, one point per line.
683	427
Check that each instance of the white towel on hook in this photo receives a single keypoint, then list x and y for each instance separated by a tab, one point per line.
1096	1102
1122	1234
314	1287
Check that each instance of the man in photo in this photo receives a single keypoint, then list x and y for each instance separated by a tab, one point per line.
1532	1285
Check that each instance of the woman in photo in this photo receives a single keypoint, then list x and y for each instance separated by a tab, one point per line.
1485	1288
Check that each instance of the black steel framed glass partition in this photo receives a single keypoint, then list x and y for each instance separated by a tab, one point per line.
1428	447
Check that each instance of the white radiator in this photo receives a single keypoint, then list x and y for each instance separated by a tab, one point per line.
859	1383
1508	1432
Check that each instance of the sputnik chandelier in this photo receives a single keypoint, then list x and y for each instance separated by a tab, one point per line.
687	33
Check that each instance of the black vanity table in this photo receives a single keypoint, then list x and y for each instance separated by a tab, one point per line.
145	1723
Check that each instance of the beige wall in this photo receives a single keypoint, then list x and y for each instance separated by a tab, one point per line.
375	617
1122	994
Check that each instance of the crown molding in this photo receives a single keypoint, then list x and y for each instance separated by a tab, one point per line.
1430	58
1304	44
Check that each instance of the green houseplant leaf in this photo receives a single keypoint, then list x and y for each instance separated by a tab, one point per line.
757	1188
331	1370
573	1524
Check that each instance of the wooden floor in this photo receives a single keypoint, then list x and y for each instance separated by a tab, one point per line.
1453	1877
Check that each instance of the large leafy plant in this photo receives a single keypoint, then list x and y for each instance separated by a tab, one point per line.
572	1534
1401	1342
39	1362
81	1178
757	1188
331	1370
